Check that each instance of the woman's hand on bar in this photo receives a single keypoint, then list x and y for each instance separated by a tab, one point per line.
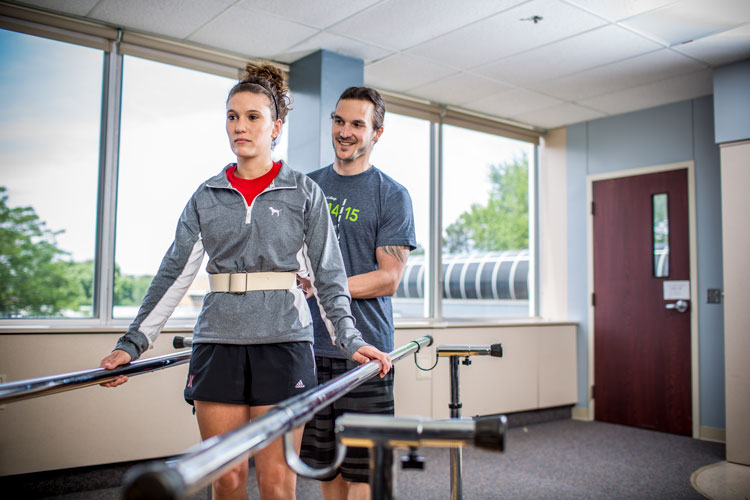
369	353
115	359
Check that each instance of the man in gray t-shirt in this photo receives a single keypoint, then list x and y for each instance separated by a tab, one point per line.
374	223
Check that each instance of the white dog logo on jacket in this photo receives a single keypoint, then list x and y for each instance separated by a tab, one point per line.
275	211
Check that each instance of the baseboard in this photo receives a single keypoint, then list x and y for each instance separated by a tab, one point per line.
581	413
712	434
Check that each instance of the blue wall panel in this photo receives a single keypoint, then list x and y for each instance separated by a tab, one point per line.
732	101
578	300
710	268
651	137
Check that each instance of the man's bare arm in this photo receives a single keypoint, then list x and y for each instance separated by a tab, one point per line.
383	282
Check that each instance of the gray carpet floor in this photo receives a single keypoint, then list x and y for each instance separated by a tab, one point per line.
562	459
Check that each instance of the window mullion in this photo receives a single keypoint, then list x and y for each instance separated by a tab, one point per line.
108	163
534	239
434	280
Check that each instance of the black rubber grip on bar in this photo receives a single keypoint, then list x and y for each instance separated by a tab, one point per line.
489	433
153	482
496	350
178	342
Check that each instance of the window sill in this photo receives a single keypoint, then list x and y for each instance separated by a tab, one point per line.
187	326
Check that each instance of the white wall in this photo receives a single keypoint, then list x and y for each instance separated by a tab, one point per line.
537	370
148	418
553	255
145	418
735	185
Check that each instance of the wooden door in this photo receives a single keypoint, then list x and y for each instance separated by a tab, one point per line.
642	371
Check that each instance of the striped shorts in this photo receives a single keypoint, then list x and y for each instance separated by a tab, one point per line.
375	396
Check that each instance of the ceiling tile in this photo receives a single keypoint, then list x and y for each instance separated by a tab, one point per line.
690	20
401	72
512	103
584	57
166	17
615	10
654	94
269	34
558	115
75	7
507	33
334	43
400	25
459	89
318	13
654	66
594	48
721	48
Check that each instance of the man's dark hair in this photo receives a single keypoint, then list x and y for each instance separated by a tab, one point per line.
367	94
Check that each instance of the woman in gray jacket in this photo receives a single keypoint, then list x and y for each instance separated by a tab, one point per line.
262	224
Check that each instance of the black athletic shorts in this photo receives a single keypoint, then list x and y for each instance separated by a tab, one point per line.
254	375
319	439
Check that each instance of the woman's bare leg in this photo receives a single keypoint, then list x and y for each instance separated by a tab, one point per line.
276	480
218	418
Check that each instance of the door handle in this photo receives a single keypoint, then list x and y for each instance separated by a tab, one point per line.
680	306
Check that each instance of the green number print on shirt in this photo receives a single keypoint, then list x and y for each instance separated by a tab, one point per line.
339	210
349	213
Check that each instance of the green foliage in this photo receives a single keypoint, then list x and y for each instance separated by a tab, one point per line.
501	224
130	290
36	279
33	274
81	275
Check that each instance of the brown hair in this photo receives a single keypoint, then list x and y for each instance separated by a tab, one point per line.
367	94
268	80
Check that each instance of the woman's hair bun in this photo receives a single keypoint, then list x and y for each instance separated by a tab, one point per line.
268	79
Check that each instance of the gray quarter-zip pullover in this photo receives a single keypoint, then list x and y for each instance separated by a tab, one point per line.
286	229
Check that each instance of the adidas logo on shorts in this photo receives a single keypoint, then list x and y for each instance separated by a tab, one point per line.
299	384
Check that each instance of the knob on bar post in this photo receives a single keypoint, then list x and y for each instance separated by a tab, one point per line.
182	342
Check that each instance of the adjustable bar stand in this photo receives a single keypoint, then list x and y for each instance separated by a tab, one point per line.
453	352
382	473
456	453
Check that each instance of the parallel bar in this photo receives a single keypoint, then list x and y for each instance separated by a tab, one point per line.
198	467
43	386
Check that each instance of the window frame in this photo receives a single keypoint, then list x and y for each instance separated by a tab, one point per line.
117	42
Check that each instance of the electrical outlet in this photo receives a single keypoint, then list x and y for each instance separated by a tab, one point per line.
714	296
2	381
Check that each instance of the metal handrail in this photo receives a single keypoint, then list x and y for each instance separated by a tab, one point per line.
199	466
53	384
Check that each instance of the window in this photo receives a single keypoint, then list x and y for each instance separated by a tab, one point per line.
50	94
54	206
485	260
172	138
660	231
403	153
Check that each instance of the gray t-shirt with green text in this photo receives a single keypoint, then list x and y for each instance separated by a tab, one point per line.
368	210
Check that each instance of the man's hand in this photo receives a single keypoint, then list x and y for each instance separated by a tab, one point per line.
115	359
369	353
305	285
